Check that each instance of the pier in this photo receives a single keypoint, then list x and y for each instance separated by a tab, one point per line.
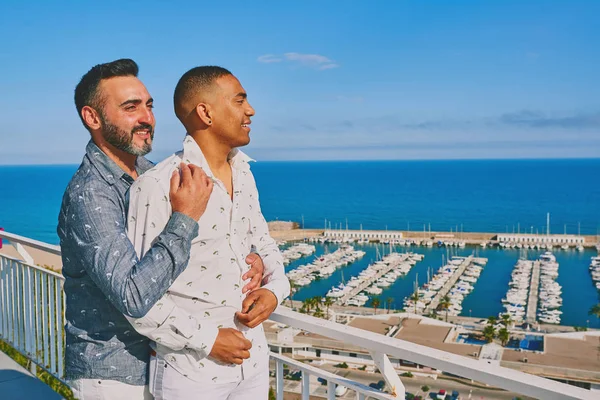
533	293
342	300
452	281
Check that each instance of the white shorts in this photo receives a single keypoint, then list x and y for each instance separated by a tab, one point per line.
104	389
168	384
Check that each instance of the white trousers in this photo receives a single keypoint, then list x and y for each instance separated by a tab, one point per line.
168	384
103	389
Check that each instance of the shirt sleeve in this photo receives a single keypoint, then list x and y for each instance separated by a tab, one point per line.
274	277
165	322
131	284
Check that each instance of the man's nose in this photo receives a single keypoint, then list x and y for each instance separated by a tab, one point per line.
250	111
147	116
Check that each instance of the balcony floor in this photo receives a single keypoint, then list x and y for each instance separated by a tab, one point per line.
16	383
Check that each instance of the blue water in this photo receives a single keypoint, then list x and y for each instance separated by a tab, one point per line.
488	196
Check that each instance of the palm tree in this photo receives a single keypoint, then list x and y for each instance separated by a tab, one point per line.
506	320
293	288
445	305
503	335
307	305
316	302
489	333
492	321
328	303
375	303
389	302
595	310
415	298
318	313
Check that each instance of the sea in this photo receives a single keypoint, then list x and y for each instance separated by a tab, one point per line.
461	196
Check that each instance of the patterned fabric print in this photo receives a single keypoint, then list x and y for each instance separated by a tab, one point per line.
185	322
104	278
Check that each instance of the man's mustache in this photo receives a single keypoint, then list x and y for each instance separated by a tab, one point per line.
143	127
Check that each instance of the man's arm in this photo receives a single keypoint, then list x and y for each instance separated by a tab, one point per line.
132	285
274	277
259	304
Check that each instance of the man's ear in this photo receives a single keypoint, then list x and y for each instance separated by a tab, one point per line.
91	118
204	113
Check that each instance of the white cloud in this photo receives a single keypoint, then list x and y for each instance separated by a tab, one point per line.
269	58
315	61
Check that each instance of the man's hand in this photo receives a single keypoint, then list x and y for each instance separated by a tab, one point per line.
190	191
256	272
257	307
231	347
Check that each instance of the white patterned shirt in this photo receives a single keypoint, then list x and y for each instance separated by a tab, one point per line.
184	323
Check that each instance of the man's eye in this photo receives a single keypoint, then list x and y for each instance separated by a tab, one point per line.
150	105
130	108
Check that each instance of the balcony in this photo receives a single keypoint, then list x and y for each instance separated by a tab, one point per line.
32	320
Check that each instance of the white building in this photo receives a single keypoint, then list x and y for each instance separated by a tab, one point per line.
542	239
371	235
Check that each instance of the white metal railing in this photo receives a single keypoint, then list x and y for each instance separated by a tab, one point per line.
31	309
31	320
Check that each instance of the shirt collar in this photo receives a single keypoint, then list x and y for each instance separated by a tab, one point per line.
107	168
193	154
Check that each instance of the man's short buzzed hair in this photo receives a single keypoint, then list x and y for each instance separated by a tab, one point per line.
194	82
86	92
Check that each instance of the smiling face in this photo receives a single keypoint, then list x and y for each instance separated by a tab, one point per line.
127	120
231	112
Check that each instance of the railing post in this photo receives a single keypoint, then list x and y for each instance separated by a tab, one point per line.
279	379
389	374
23	253
330	390
305	385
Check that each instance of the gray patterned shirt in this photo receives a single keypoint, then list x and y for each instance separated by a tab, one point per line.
104	278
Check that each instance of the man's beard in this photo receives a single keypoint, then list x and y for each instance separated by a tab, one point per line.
123	140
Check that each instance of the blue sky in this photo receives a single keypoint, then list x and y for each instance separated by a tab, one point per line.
329	80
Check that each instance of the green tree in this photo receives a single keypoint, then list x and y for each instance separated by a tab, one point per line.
318	313
489	333
595	310
272	394
328	303
415	298
375	303
445	305
492	321
293	288
389	302
506	320
504	336
425	389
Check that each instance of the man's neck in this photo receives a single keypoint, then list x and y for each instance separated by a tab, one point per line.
124	160
215	152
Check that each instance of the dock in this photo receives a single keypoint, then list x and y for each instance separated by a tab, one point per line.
342	300
533	293
452	281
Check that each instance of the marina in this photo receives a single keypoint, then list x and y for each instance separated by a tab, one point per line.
377	275
486	298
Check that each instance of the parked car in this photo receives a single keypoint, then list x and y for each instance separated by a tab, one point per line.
441	394
379	385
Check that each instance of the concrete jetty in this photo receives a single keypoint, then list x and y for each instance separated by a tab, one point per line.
342	300
533	293
452	281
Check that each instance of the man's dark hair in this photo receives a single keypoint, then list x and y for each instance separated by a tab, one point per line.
86	92
193	81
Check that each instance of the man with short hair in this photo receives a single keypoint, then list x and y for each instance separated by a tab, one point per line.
105	358
227	357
